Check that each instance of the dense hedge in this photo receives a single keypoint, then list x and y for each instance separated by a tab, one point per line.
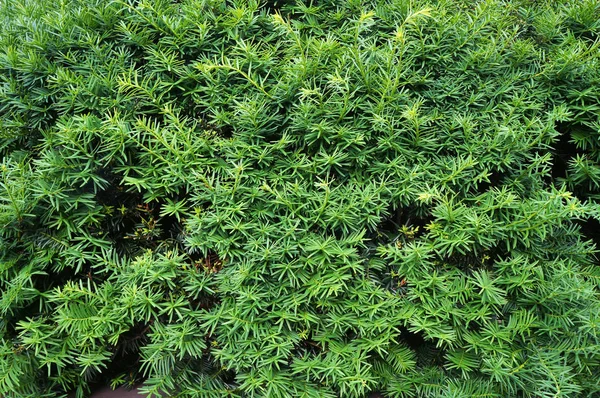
300	199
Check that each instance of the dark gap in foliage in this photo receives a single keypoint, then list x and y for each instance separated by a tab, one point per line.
494	178
496	254
131	218
410	217
474	261
170	227
591	229
403	225
278	5
211	262
150	228
58	276
195	256
387	229
122	218
309	346
587	33
224	131
413	340
205	302
125	358
226	375
395	283
130	341
592	37
190	111
282	110
115	194
29	311
565	149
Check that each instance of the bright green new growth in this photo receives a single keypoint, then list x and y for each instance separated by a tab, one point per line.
300	199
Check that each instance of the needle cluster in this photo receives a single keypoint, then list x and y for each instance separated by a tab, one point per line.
300	198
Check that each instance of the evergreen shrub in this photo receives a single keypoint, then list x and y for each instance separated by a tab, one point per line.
300	198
